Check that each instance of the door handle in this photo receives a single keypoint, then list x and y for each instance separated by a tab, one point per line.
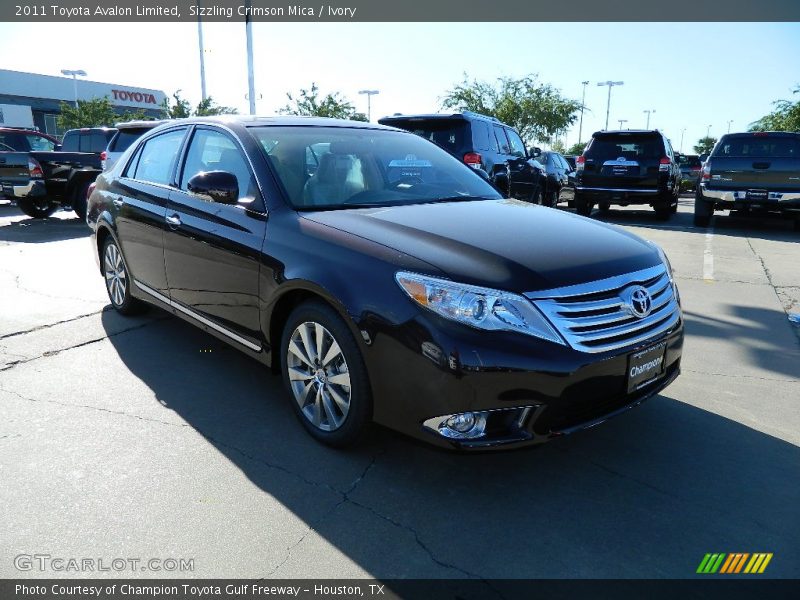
118	202
174	221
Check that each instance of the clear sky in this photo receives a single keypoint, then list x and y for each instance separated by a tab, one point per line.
692	74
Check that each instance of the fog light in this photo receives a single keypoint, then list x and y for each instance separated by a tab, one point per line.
461	426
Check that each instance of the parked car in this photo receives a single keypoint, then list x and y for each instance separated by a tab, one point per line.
126	134
482	143
557	183
628	167
42	181
386	280
24	140
570	161
690	165
755	173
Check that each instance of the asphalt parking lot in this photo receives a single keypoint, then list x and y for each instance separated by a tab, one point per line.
145	437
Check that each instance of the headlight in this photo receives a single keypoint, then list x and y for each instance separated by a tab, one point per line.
477	307
668	265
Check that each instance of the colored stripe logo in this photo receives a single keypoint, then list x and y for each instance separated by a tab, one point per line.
735	562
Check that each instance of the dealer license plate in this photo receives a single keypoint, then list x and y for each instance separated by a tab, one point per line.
645	366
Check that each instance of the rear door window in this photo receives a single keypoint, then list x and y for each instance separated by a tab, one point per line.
450	134
758	146
156	161
502	141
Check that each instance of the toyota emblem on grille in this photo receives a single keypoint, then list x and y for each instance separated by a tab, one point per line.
638	300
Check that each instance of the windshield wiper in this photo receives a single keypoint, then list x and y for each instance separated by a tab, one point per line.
460	197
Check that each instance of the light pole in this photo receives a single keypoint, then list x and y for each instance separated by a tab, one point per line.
682	132
202	58
583	102
729	125
652	110
708	132
251	85
370	94
610	84
74	74
621	121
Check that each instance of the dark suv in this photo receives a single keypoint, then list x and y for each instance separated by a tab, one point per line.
628	167
483	143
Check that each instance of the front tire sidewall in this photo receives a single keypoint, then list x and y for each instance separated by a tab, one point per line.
129	304
360	410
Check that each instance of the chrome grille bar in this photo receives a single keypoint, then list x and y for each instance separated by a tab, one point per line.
594	317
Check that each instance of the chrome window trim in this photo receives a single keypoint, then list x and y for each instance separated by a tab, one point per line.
219	328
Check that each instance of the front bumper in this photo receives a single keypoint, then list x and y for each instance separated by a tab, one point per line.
430	367
34	188
788	201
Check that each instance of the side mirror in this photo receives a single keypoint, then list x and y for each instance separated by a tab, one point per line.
57	148
536	152
219	186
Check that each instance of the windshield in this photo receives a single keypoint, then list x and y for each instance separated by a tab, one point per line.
337	167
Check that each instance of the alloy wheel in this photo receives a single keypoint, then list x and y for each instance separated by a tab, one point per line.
116	276
318	376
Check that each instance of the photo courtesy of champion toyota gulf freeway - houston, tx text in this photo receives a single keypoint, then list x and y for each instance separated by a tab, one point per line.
386	281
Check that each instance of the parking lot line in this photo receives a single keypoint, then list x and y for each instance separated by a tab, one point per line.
708	257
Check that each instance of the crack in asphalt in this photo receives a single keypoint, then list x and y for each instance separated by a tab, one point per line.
90	407
775	288
49	325
49	353
741	376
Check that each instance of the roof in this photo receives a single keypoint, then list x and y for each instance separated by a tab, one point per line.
280	120
134	124
457	115
617	131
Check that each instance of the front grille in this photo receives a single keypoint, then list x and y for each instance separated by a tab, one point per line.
593	317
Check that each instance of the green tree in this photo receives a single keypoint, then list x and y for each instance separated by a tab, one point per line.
576	149
309	103
558	146
785	117
705	145
97	112
536	110
181	109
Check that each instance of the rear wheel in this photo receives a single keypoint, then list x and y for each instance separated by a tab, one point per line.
582	206
604	207
79	200
551	199
663	211
703	210
536	197
118	281
38	208
325	373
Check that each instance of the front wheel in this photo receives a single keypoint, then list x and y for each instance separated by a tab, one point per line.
703	211
663	211
325	373
79	201
604	207
38	208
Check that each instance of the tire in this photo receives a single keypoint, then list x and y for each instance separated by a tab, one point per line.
604	207
797	224
536	197
331	396
551	199
703	211
118	281
583	207
79	201
663	211
38	208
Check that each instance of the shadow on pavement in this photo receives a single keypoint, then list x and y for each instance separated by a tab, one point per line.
27	230
644	495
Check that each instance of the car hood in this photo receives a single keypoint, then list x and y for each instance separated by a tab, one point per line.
504	244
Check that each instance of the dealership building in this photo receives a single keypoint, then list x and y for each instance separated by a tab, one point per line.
32	100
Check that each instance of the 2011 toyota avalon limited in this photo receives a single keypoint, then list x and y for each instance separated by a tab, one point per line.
386	280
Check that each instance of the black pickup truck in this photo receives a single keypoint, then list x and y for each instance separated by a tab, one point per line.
755	173
42	181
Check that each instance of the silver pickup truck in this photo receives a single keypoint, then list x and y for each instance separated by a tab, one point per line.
755	172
